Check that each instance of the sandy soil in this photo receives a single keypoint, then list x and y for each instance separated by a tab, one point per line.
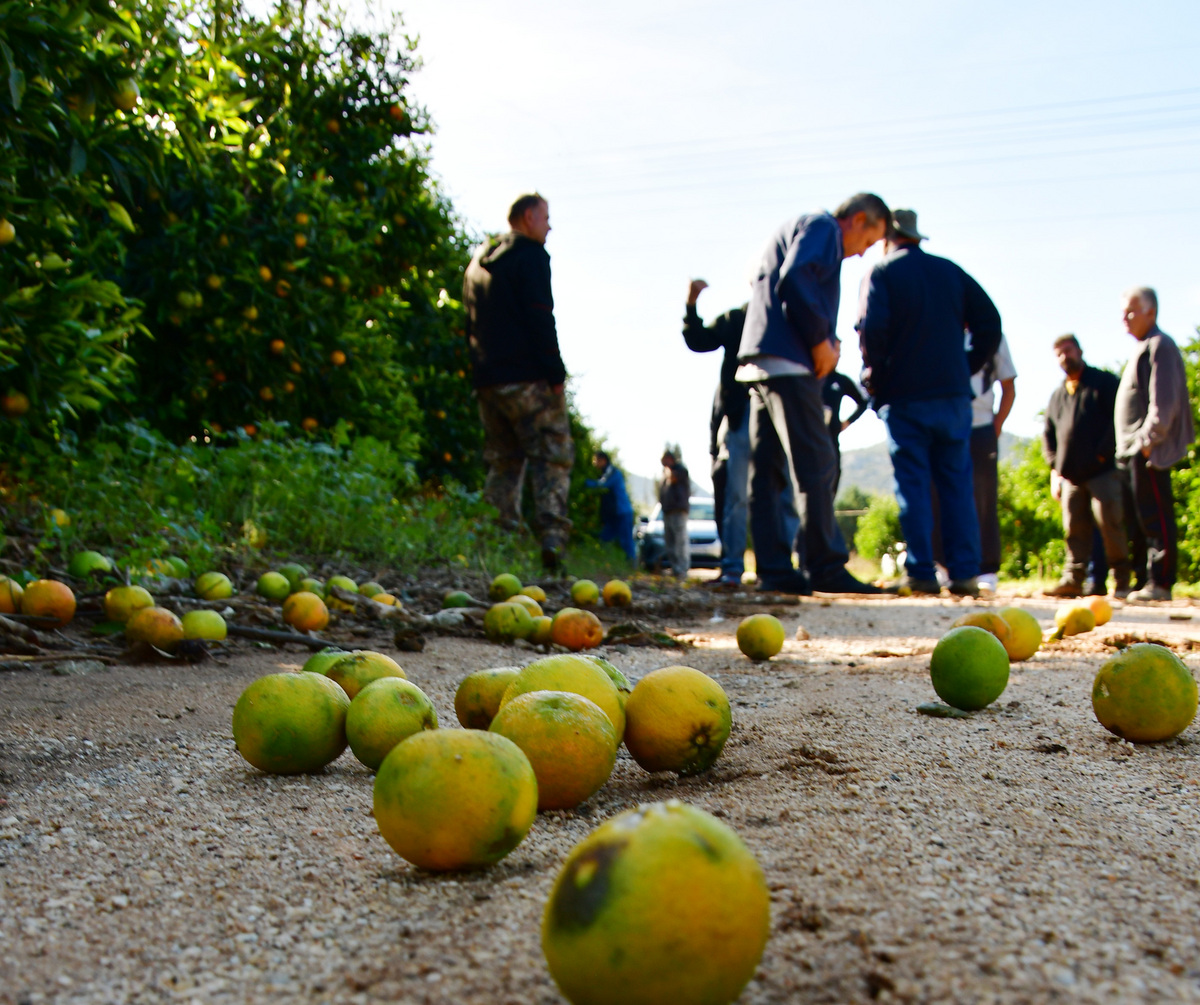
1022	855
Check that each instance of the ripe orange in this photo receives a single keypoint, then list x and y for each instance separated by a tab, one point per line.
264	273
267	395
479	694
534	592
306	612
677	719
455	798
333	126
14	404
619	679
302	219
531	605
384	713
277	345
969	668
576	674
8	233
337	357
760	636
360	668
288	723
617	593
309	424
576	629
288	387
155	625
1025	636
1075	619
121	601
989	621
660	904
1145	694
569	741
125	95
48	598
10	595
300	241
1101	609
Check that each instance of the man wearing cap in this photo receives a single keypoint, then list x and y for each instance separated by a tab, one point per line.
788	347
913	310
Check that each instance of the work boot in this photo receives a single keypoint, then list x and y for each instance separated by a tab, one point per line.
919	587
795	583
1151	591
964	587
842	581
1068	588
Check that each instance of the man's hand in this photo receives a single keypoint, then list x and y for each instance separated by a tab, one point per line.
825	357
1055	486
997	424
697	285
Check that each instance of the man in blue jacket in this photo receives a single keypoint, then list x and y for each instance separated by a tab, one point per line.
788	347
913	311
616	511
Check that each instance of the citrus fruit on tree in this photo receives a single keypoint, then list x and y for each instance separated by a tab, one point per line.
306	612
204	625
989	621
10	595
969	668
584	592
382	714
273	586
1145	694
677	719
457	598
663	903
156	625
213	586
478	697
503	587
356	670
48	598
534	592
507	621
541	632
531	605
455	798
617	593
569	741
289	723
8	234
577	674
323	660
1101	609
122	601
1075	619
576	629
84	563
760	636
1025	636
293	573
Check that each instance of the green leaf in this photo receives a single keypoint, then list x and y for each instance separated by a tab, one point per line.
78	159
16	87
120	215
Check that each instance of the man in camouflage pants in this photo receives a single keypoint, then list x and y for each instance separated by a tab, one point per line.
519	375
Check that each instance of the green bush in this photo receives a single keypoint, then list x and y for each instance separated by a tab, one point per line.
879	532
1030	519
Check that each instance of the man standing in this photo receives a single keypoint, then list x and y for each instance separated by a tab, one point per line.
834	388
1080	447
913	312
1154	429
518	375
616	511
675	497
788	347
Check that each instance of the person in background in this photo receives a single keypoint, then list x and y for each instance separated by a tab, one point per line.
835	387
519	377
1154	429
675	497
616	511
1079	442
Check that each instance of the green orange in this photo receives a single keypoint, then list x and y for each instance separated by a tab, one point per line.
384	713
455	798
213	586
677	719
584	592
204	625
1145	694
291	723
577	674
478	697
507	621
359	668
503	587
969	668
760	636
121	601
321	661
10	595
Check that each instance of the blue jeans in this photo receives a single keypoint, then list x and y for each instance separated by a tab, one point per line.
620	530
930	443
735	455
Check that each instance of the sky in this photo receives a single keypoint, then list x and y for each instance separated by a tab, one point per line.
1051	149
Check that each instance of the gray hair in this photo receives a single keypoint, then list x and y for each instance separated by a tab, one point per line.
865	202
1146	295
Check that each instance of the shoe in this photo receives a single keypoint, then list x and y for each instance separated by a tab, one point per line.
1120	592
725	581
1067	588
1150	591
965	587
988	581
843	582
795	583
918	587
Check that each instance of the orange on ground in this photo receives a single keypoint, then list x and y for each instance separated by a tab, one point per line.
322	661
306	612
288	723
1145	694
660	904
760	636
1075	619
1025	636
584	592
204	625
576	674
619	679
386	598
576	629
503	587
531	605
540	633
455	798
1101	609
213	586
536	592
507	621
48	598
384	713
617	593
969	668
989	621
478	697
677	719
569	741
10	595
156	625
358	669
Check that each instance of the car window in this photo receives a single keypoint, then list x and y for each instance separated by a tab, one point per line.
702	509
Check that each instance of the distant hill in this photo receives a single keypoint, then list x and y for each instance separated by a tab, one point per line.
870	469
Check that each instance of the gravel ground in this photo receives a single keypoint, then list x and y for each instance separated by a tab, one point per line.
1022	855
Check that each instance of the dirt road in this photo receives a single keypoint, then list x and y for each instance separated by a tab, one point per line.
1022	855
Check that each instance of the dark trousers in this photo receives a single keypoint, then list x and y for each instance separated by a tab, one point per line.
985	480
1133	534
1087	507
619	529
929	442
1155	503
720	478
788	432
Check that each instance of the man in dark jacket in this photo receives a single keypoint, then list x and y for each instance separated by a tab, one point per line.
788	347
1080	446
519	374
675	497
913	311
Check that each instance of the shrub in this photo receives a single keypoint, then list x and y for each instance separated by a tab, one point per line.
879	531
